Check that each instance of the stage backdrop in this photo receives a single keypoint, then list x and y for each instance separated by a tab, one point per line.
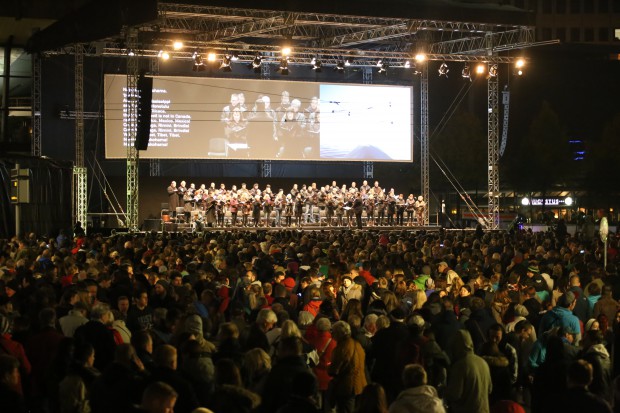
210	118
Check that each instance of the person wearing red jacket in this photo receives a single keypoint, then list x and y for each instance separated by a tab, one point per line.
15	349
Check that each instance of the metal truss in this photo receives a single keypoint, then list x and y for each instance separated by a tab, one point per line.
493	143
424	147
154	163
79	170
505	40
368	167
35	149
265	165
130	137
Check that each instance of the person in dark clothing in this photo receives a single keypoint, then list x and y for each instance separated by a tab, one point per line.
279	382
257	337
386	345
479	322
595	353
98	335
577	398
140	314
165	357
445	325
118	388
550	378
11	400
303	396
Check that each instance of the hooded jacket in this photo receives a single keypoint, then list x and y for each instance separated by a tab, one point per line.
421	399
469	380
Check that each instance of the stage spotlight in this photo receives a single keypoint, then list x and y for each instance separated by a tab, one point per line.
348	61
225	66
407	64
284	66
383	69
519	63
177	45
443	69
256	63
286	51
340	66
163	55
519	72
235	56
130	52
379	63
480	69
317	65
466	72
493	71
420	57
211	57
199	64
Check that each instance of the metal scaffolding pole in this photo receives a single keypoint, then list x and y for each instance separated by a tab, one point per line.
265	166
131	112
492	140
368	167
424	148
80	194
154	164
35	149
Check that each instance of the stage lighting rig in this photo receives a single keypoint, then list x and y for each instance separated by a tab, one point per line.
348	61
316	65
383	69
199	64
163	55
443	69
340	66
284	66
256	63
466	72
493	70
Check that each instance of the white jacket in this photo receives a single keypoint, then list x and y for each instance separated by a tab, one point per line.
422	399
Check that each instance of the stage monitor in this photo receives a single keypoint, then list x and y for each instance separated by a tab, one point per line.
215	118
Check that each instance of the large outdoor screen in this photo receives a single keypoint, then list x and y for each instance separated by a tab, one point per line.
202	118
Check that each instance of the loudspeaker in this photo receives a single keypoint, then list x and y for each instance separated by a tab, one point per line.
145	98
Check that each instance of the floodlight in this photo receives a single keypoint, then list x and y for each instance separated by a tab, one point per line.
211	57
480	69
164	55
348	61
340	66
525	201
317	65
519	63
407	64
225	66
256	63
199	64
383	69
177	45
286	51
284	66
379	63
568	201
466	72
493	70
443	69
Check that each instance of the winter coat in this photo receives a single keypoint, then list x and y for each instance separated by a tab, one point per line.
602	380
421	399
324	345
279	382
469	380
347	368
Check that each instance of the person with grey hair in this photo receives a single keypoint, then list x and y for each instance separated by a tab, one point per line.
257	333
99	335
347	369
417	396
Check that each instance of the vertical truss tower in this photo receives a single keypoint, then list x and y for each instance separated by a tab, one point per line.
130	138
80	207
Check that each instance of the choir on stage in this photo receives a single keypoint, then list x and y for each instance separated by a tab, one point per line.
330	205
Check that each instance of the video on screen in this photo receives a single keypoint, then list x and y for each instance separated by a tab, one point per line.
204	118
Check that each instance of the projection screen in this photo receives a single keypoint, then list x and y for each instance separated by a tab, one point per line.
217	118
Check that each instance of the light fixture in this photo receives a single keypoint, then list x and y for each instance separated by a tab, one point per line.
348	61
340	66
211	57
420	57
317	65
177	45
519	72
443	69
235	56
466	72
519	63
284	66
286	51
199	64
525	201
256	63
379	63
164	55
493	70
480	69
383	69
225	66
407	64
416	71
568	201
130	52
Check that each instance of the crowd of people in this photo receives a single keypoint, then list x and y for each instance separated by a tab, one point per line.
309	321
331	205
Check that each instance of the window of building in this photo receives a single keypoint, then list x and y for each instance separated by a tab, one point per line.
588	34
617	34
547	6
588	6
560	34
575	6
603	34
603	6
575	35
560	6
546	33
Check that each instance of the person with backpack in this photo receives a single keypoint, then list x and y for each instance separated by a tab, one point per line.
562	316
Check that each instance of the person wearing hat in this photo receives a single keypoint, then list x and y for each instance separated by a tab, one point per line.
348	291
534	279
562	316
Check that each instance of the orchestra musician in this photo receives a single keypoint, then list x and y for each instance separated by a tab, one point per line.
173	198
410	209
233	208
267	208
247	209
278	205
380	205
257	207
358	208
339	211
400	209
299	208
369	202
288	209
330	207
420	207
